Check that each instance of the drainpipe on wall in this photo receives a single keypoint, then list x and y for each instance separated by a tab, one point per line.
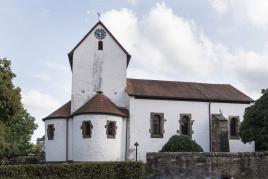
210	132
67	138
126	148
209	117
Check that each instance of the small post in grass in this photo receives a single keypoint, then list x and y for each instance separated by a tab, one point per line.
136	145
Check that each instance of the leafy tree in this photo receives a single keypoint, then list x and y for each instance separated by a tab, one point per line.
181	143
16	124
255	124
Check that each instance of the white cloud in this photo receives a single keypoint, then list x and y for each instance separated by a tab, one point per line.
42	76
219	5
39	105
166	46
252	11
56	66
133	1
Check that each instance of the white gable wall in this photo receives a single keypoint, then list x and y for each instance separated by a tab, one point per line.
99	70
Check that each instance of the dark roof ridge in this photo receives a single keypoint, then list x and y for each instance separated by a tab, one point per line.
173	81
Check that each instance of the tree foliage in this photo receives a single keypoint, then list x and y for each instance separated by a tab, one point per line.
16	124
255	124
181	143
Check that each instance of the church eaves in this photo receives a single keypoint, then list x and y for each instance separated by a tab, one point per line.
63	112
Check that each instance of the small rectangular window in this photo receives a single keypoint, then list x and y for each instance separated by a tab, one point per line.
157	125
234	123
86	129
100	45
111	129
50	131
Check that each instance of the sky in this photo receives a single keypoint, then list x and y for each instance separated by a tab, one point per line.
212	41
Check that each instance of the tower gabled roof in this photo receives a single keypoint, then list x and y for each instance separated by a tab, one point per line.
100	104
63	112
70	54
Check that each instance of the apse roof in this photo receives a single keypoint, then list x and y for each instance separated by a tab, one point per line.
100	104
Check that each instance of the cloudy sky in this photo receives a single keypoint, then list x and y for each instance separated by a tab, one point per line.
215	41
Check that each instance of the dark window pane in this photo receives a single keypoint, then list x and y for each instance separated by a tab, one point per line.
156	124
233	127
50	131
87	128
100	45
185	122
111	130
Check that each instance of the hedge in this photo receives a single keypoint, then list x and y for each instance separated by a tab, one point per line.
21	160
96	170
181	143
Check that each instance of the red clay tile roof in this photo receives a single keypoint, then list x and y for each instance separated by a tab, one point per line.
100	104
174	90
63	112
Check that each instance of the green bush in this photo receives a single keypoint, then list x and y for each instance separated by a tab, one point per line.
181	143
21	160
96	170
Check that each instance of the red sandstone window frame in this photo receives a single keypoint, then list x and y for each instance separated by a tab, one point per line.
86	128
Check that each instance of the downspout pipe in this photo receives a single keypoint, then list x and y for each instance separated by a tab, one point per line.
67	138
126	148
210	126
209	117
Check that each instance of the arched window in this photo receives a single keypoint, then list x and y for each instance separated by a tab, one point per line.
186	125
86	129
234	127
111	129
157	125
50	131
100	45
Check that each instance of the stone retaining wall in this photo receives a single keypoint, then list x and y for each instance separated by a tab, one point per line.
188	165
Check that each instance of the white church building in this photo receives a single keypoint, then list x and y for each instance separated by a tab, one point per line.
108	112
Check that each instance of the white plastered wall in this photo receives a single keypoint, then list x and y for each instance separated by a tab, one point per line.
56	149
140	110
99	70
98	147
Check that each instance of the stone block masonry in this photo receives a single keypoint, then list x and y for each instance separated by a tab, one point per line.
218	165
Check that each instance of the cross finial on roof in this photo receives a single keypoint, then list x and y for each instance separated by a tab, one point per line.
99	14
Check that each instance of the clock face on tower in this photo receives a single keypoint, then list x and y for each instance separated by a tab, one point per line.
100	33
